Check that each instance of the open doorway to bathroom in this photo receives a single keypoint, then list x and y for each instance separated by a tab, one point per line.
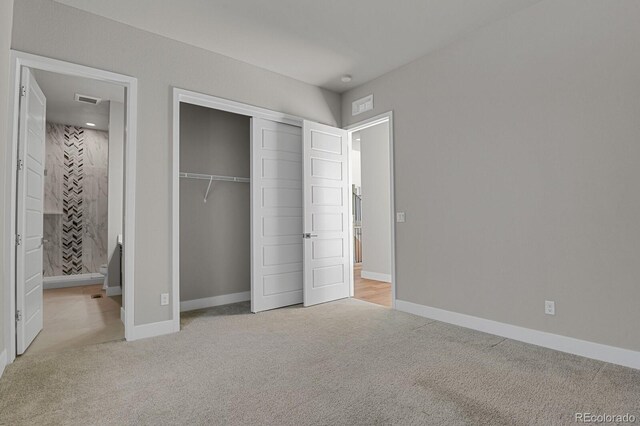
371	198
82	213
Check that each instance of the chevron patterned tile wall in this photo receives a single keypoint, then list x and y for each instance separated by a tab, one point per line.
76	192
72	207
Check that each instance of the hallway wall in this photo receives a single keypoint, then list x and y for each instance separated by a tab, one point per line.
376	204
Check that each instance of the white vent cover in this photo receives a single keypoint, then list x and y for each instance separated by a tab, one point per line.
86	99
362	105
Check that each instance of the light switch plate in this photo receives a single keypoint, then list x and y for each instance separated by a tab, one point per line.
164	299
400	217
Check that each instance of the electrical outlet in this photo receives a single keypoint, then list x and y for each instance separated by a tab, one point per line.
400	217
164	299
549	307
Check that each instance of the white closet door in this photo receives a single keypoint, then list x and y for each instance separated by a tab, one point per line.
276	215
30	212
327	254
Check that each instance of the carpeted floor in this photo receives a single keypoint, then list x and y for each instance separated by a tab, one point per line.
347	362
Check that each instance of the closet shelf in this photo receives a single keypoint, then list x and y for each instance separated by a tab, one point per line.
214	177
211	178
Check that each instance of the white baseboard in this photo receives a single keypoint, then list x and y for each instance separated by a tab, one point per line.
114	291
376	276
3	361
208	302
612	354
152	330
66	281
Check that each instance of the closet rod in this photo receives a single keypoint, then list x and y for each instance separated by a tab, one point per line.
214	177
211	178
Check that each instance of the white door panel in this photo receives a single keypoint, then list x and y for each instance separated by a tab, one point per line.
31	148
276	204
327	260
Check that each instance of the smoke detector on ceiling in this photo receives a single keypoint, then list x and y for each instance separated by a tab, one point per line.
86	99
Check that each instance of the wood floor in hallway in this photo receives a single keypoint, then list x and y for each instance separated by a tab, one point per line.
377	292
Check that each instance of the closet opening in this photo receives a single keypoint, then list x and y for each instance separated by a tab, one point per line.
215	208
260	208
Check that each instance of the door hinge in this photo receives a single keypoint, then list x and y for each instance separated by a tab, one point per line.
23	91
18	316
20	164
18	239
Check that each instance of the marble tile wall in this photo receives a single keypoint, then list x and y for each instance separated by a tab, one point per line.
92	199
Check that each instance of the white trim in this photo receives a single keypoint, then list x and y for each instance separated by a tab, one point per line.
65	281
3	361
19	60
123	315
213	102
598	351
114	291
209	302
376	276
175	209
152	330
373	121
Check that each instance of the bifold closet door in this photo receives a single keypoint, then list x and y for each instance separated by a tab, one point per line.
276	215
326	188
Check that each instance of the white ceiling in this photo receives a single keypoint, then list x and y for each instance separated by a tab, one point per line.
316	41
60	91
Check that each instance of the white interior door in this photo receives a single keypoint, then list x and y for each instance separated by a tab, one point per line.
276	215
31	149
326	189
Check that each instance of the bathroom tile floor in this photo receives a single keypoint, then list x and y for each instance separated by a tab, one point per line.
73	319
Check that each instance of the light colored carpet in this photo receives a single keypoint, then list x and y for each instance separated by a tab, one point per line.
347	362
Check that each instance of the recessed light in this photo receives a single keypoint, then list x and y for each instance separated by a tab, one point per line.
91	124
346	78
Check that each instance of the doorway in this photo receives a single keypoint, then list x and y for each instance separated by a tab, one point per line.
372	211
73	127
82	212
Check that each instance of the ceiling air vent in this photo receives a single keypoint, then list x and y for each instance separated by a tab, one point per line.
86	99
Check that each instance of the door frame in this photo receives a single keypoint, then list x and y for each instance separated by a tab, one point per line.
212	102
21	59
386	117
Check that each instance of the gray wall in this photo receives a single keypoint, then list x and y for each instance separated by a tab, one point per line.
6	8
517	153
215	239
376	207
159	63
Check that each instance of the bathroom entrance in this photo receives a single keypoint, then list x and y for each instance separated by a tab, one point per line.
77	205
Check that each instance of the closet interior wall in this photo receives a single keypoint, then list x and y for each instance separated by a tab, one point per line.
215	237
